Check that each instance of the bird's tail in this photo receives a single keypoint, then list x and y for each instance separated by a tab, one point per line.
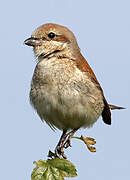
113	107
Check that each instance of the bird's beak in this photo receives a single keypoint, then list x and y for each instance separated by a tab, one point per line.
32	42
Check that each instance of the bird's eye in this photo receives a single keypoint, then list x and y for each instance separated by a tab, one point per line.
51	35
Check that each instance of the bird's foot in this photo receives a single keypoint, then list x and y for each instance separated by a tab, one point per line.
59	152
51	154
64	143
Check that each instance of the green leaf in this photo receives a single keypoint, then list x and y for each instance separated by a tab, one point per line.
66	168
53	169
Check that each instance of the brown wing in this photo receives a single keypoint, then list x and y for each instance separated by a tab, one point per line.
106	114
84	66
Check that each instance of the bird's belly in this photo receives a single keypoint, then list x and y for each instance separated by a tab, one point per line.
66	109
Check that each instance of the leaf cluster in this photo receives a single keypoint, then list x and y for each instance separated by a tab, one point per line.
53	169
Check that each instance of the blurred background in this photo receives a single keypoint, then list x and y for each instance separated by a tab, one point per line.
102	29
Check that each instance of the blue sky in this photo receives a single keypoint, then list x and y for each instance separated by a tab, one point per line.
102	29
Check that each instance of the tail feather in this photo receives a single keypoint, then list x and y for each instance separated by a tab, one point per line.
113	107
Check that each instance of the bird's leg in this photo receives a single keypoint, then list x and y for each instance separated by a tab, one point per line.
68	138
60	146
64	142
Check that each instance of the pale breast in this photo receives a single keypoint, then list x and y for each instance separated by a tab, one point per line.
64	96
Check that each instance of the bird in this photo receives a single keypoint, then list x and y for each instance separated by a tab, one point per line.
64	90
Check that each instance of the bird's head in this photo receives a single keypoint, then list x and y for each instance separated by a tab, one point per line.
52	39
